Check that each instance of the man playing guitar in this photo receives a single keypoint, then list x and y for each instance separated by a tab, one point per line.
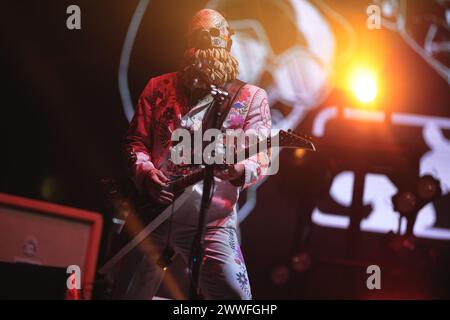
181	100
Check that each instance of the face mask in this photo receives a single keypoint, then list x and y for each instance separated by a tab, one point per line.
209	29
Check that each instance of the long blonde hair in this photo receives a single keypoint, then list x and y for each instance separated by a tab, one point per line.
221	66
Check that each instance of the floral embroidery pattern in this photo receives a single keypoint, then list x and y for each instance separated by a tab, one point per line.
239	105
245	94
242	279
231	239
235	120
241	276
163	126
237	115
239	110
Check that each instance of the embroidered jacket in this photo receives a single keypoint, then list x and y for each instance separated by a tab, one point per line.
160	109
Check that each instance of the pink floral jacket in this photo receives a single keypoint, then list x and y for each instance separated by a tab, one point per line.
160	108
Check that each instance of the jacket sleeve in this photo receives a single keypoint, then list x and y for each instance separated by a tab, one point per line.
138	139
258	122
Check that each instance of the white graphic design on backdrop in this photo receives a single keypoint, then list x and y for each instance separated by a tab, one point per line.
437	39
379	189
301	73
300	80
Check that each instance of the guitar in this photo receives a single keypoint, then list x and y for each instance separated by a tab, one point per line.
151	214
146	215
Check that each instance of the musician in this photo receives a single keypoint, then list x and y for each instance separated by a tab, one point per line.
180	100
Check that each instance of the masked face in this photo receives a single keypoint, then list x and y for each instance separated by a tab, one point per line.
209	29
207	59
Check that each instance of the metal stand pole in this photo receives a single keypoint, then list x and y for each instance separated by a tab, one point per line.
198	244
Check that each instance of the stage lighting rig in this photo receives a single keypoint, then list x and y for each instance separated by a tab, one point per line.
428	188
408	203
280	274
301	262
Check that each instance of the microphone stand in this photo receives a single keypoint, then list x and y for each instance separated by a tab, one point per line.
197	251
199	241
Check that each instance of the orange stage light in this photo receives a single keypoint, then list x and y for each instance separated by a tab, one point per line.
362	82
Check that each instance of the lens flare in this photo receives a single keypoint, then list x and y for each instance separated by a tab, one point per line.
363	84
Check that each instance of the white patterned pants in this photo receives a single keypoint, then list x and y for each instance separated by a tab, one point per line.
223	273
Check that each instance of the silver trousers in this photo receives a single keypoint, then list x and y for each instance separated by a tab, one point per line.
223	272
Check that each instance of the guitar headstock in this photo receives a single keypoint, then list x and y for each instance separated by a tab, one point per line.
291	139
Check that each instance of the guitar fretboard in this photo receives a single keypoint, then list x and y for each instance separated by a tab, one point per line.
197	174
285	139
194	176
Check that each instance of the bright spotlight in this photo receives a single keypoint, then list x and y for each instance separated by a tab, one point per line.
363	84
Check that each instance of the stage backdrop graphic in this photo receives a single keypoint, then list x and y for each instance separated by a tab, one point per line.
297	69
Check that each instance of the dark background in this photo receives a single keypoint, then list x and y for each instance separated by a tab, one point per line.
62	125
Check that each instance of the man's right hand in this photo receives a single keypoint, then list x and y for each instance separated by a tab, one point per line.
155	183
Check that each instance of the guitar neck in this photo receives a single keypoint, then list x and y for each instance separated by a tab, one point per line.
284	139
189	179
198	174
